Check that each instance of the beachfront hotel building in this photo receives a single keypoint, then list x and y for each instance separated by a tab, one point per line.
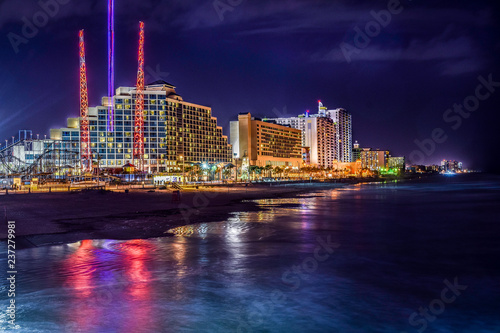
396	162
260	143
327	135
176	132
318	136
343	126
374	159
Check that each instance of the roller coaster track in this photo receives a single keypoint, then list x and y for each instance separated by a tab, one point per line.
14	165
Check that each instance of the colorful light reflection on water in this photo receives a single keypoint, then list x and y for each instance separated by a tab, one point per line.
398	242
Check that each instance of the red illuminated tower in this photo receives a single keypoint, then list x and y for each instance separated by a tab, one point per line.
85	153
139	107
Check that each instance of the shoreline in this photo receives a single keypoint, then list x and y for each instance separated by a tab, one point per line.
59	218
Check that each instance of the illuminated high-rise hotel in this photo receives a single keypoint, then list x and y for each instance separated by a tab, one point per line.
262	143
317	134
327	134
343	125
175	131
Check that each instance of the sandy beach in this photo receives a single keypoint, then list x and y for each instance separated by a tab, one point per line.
52	218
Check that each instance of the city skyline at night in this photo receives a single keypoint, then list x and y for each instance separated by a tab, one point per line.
249	166
398	88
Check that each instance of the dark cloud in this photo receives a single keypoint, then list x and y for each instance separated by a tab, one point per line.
438	48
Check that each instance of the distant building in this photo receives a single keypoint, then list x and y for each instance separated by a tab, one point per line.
263	143
417	169
396	163
451	166
356	152
433	168
374	159
424	168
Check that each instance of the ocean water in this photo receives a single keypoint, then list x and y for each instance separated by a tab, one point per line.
419	256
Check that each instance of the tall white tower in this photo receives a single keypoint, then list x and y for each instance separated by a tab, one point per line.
343	123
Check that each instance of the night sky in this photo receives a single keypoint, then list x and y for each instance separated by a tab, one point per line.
273	58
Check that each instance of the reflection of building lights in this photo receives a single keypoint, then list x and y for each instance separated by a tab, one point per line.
183	231
86	244
136	252
80	276
81	269
179	250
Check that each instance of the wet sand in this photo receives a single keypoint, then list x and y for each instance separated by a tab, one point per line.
53	218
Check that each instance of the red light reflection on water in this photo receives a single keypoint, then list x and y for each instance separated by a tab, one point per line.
80	271
136	255
79	265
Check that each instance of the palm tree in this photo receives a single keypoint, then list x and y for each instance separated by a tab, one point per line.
188	170
278	170
268	168
252	170
305	169
228	170
199	172
344	170
287	172
260	172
